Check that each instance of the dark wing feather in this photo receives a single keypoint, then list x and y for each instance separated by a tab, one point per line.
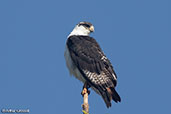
87	55
92	63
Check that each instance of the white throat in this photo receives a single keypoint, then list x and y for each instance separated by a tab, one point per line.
79	30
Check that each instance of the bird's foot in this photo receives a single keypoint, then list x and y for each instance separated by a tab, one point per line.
84	91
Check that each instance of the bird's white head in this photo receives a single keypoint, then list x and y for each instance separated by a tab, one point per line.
82	28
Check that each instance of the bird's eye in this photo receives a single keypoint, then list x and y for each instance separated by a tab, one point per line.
86	25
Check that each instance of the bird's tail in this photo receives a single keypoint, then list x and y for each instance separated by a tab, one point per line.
110	94
115	95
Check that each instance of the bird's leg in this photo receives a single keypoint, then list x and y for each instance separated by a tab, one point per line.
85	89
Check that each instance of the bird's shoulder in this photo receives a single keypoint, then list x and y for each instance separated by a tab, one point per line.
85	46
83	41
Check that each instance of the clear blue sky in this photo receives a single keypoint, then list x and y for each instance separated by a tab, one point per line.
134	34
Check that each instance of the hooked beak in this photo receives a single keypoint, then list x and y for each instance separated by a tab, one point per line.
91	29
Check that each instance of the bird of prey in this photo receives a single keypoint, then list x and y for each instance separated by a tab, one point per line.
88	63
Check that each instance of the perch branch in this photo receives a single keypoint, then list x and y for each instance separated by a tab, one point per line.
85	104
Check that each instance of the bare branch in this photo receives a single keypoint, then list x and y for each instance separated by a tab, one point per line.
85	104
